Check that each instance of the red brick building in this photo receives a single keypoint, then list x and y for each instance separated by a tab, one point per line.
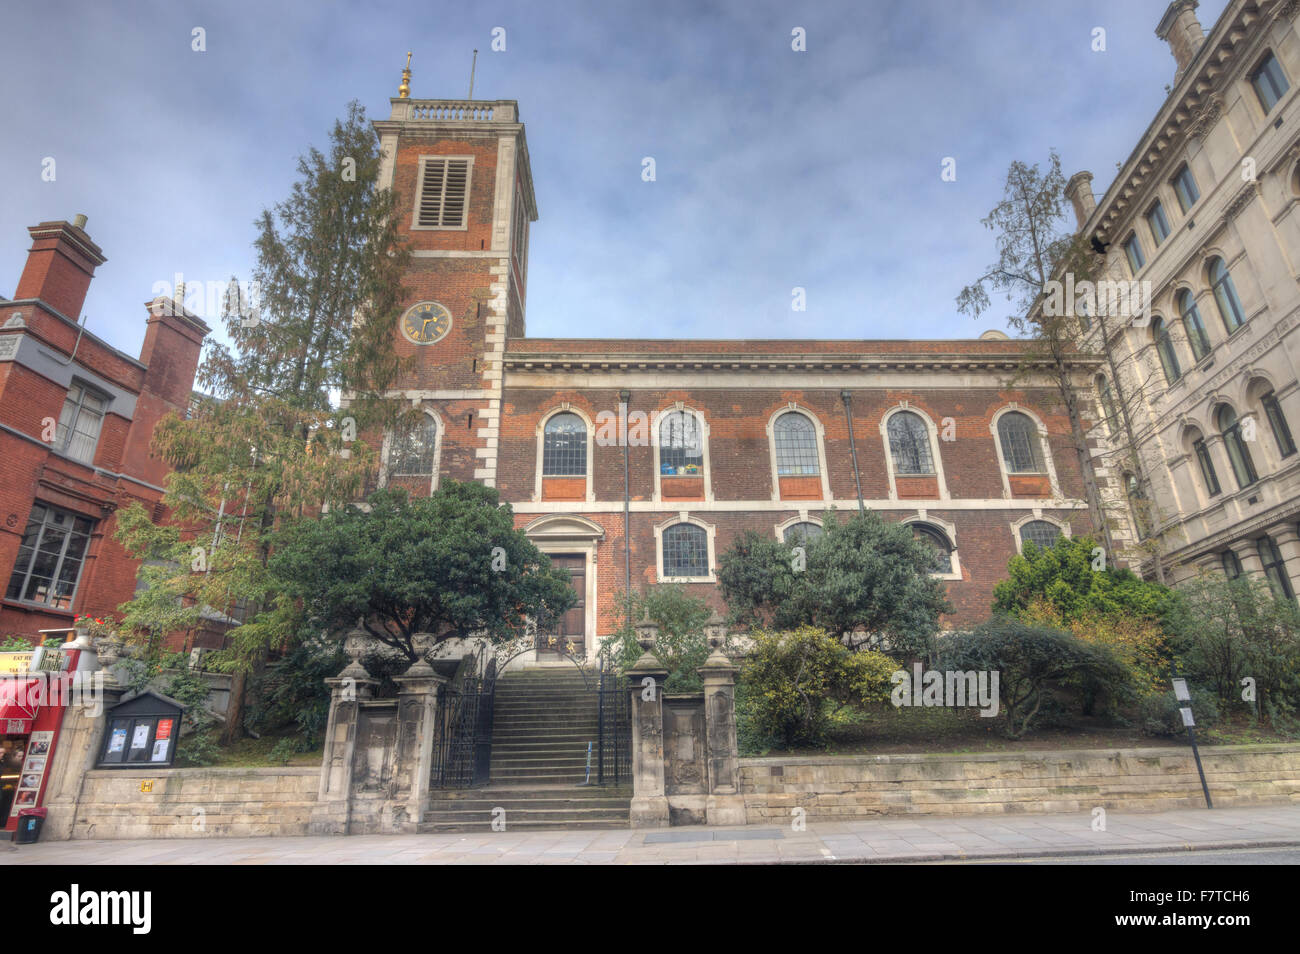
76	420
722	435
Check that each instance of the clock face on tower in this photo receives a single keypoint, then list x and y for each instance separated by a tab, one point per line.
426	322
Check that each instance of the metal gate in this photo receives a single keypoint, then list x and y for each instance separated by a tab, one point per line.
462	748
614	739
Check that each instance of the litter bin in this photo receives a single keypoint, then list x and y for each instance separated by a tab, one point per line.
30	822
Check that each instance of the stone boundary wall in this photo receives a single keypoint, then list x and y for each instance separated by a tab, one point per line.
196	802
835	788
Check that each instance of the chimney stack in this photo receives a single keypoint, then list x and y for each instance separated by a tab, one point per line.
1079	191
1182	31
60	265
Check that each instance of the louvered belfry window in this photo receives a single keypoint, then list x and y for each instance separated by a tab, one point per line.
444	190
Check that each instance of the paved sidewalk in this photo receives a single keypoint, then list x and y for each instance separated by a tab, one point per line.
896	839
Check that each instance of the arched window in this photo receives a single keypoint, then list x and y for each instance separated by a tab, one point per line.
564	446
937	540
1020	447
1040	533
909	444
1204	461
1275	567
1165	348
413	447
1108	405
685	551
1133	490
1192	325
801	534
1243	467
681	447
1231	565
796	446
1225	295
1277	421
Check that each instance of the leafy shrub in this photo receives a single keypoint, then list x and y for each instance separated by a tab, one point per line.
864	573
190	689
1062	576
15	644
680	646
291	691
1229	631
1032	662
1159	714
797	681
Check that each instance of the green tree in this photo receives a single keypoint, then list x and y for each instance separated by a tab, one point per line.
796	681
451	564
1031	661
680	646
273	440
1034	249
1066	577
862	573
1227	631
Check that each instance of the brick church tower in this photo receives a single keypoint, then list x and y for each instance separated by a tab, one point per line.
464	189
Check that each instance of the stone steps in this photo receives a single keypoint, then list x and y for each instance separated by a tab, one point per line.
542	723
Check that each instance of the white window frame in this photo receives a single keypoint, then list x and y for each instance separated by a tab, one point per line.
703	426
821	448
541	445
1031	517
419	192
1043	445
64	440
933	433
710	535
801	517
950	531
389	437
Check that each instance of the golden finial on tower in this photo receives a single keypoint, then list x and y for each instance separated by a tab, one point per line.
404	90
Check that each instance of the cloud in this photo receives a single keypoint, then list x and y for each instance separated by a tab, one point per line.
775	169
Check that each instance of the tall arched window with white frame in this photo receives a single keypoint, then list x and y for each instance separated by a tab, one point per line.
909	444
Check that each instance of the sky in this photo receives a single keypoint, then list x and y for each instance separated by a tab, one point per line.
775	169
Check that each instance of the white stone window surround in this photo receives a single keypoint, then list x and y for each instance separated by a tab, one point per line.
1035	515
703	426
936	456
710	534
541	444
1044	447
801	517
439	429
793	406
950	531
419	191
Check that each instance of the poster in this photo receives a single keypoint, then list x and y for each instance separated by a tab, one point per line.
140	737
117	741
40	743
160	751
164	729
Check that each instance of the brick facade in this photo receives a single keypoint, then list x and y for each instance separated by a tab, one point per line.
44	357
491	390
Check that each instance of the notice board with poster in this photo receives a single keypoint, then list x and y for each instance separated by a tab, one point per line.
141	731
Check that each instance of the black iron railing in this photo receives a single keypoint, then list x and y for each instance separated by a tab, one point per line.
614	739
462	747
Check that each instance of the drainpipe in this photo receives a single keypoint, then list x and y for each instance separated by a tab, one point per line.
624	396
847	398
